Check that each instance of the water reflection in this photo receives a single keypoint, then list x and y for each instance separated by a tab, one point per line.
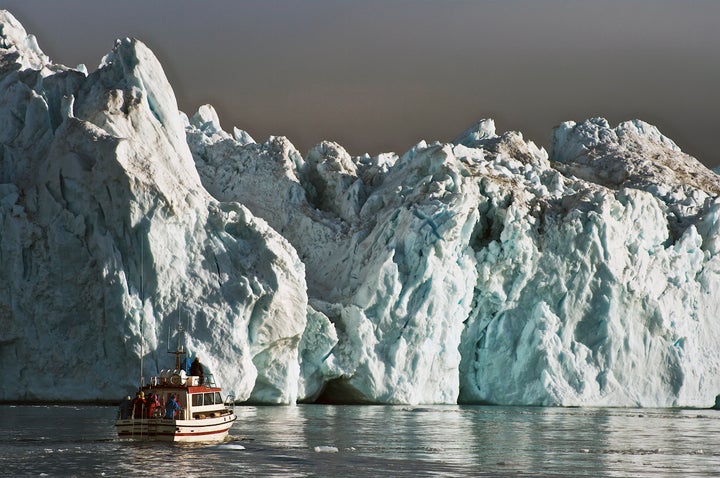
321	440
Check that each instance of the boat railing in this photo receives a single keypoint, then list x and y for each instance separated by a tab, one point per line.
195	380
230	402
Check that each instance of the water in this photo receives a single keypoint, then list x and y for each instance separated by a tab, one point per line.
322	440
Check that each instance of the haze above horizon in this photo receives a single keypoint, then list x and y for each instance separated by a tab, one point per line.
380	76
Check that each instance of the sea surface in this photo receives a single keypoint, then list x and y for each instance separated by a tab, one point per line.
343	441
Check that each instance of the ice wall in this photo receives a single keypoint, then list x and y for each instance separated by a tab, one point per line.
484	270
108	239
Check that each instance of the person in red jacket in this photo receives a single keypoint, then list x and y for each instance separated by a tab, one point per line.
139	404
153	403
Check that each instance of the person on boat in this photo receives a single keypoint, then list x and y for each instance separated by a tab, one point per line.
126	408
139	404
153	403
172	407
186	365
196	369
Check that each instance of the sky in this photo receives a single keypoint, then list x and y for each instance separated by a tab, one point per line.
379	76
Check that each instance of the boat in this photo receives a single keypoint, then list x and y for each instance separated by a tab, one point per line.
203	415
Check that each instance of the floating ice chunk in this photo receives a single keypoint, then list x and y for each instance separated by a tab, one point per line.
325	449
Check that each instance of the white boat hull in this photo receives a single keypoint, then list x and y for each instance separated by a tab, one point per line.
162	429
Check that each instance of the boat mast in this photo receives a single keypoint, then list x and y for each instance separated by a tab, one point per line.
180	350
142	311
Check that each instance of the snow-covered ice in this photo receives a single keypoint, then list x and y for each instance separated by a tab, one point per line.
485	270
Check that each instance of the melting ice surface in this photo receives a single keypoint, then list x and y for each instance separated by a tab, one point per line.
484	270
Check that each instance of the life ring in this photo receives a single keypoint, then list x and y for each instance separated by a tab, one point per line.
175	379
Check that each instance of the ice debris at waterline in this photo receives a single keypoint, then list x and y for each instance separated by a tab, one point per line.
478	271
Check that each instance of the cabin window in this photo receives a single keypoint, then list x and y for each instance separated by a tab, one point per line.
218	398
209	399
197	399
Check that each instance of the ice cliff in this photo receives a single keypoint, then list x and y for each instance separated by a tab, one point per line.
484	270
108	237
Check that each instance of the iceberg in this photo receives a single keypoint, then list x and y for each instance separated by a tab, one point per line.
108	237
483	270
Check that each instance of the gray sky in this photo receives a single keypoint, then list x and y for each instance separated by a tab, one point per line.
381	75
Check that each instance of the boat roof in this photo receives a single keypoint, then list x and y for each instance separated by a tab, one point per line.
183	388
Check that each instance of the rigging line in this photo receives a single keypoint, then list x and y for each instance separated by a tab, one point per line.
142	310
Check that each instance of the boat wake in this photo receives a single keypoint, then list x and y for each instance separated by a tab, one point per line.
231	446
